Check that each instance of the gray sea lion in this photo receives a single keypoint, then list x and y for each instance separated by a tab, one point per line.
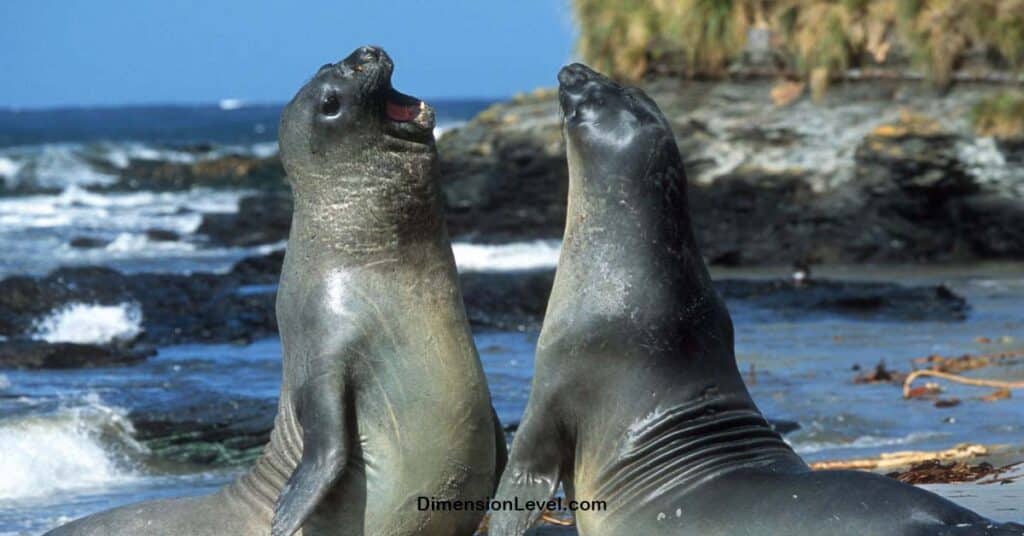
383	397
636	398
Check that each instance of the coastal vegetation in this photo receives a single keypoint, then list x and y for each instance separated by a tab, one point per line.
1001	115
812	40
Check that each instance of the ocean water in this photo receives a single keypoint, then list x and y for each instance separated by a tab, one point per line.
69	448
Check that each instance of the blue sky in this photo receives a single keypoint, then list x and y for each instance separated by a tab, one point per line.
108	52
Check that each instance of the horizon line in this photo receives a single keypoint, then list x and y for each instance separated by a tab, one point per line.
236	104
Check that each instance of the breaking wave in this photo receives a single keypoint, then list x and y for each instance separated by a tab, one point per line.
59	165
864	442
90	324
513	256
78	447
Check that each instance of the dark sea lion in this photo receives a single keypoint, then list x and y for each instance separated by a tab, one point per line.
383	398
636	398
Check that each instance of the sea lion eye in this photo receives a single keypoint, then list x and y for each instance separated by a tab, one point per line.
331	105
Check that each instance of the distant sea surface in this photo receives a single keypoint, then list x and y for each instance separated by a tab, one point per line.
228	122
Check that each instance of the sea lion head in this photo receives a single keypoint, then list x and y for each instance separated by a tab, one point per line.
624	165
360	158
611	131
349	117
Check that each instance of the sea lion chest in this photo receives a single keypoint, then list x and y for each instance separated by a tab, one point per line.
419	399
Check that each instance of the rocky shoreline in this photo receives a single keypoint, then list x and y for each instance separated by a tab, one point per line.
886	172
238	306
879	172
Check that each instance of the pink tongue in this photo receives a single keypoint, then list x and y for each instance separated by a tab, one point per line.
398	112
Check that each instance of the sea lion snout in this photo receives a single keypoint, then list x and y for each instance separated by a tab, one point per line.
368	66
369	59
572	75
581	87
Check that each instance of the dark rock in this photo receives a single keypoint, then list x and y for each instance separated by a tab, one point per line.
880	374
162	235
783	426
32	354
993	225
24	299
1012	150
229	171
517	300
923	164
909	197
261	219
239	306
506	300
749	220
88	242
205	428
884	301
200	307
503	185
260	269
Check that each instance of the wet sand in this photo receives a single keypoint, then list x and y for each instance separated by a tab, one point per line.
1001	502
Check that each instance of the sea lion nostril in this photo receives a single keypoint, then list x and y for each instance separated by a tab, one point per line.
574	75
366	57
369	53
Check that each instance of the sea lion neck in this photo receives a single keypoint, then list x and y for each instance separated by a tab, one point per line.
365	211
628	240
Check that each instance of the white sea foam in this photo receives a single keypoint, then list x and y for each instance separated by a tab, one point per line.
76	207
864	442
134	242
59	165
264	150
67	450
9	170
77	196
120	155
90	324
512	256
441	130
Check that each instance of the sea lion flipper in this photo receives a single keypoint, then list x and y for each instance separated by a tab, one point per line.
532	473
322	413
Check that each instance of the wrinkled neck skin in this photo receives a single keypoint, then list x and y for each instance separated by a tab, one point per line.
373	209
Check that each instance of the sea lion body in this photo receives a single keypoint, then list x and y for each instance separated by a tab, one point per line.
383	397
636	400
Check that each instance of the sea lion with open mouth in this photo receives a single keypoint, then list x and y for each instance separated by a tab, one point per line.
636	398
383	398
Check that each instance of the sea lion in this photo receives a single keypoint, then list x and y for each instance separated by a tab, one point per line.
637	400
383	397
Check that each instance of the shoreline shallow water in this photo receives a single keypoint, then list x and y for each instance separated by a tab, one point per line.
802	370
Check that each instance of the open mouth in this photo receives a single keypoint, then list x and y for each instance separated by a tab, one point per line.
408	118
